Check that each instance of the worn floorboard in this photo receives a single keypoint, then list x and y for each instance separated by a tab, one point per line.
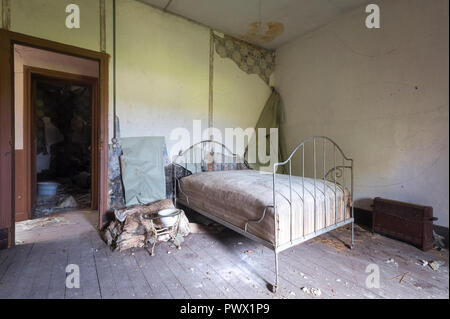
214	265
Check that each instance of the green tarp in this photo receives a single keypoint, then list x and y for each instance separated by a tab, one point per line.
142	168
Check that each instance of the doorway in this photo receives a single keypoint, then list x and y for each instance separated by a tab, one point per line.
61	142
10	132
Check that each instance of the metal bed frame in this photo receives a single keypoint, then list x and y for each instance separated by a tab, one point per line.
337	171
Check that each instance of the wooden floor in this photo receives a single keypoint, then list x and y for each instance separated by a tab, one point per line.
217	265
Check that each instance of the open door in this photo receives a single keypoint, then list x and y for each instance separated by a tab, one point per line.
7	196
6	144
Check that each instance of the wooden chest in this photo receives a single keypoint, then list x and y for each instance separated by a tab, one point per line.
403	221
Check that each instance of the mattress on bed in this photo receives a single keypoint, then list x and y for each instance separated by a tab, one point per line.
238	195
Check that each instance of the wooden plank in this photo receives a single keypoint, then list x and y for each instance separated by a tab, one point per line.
6	257
318	274
407	257
41	282
123	282
246	249
74	257
212	284
191	283
249	284
172	283
365	253
57	284
30	271
323	275
13	269
144	262
105	273
140	284
89	281
223	265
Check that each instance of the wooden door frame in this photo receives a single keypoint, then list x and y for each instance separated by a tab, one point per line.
7	41
30	127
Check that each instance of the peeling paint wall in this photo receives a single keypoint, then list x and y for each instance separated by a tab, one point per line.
382	95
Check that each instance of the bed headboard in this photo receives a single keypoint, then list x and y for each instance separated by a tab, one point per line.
208	155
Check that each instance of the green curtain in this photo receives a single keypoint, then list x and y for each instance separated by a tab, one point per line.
271	117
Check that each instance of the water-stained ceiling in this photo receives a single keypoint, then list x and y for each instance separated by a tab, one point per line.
268	23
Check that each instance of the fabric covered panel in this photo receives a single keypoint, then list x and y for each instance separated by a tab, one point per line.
142	166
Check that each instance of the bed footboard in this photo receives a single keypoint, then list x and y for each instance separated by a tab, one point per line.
337	170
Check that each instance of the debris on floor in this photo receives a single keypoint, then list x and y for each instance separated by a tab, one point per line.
314	291
422	263
401	276
69	202
197	228
391	261
439	241
60	202
131	230
435	265
333	243
41	222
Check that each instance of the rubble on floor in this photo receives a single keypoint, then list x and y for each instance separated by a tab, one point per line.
41	222
131	229
68	195
439	241
435	265
314	291
69	202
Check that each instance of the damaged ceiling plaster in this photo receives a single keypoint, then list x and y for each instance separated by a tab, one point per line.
266	23
259	31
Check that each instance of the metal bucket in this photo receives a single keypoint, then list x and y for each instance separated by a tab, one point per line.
47	188
168	221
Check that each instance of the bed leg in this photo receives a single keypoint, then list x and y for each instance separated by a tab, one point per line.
275	285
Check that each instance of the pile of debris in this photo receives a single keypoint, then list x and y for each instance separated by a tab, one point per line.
131	229
68	196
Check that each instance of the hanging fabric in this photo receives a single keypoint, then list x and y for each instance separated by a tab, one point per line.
270	117
249	58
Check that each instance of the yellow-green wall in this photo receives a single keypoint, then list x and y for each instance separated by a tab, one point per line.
162	65
46	19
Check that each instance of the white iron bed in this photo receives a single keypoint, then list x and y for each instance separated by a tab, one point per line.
276	210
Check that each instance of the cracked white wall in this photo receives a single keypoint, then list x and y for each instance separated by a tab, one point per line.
382	95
